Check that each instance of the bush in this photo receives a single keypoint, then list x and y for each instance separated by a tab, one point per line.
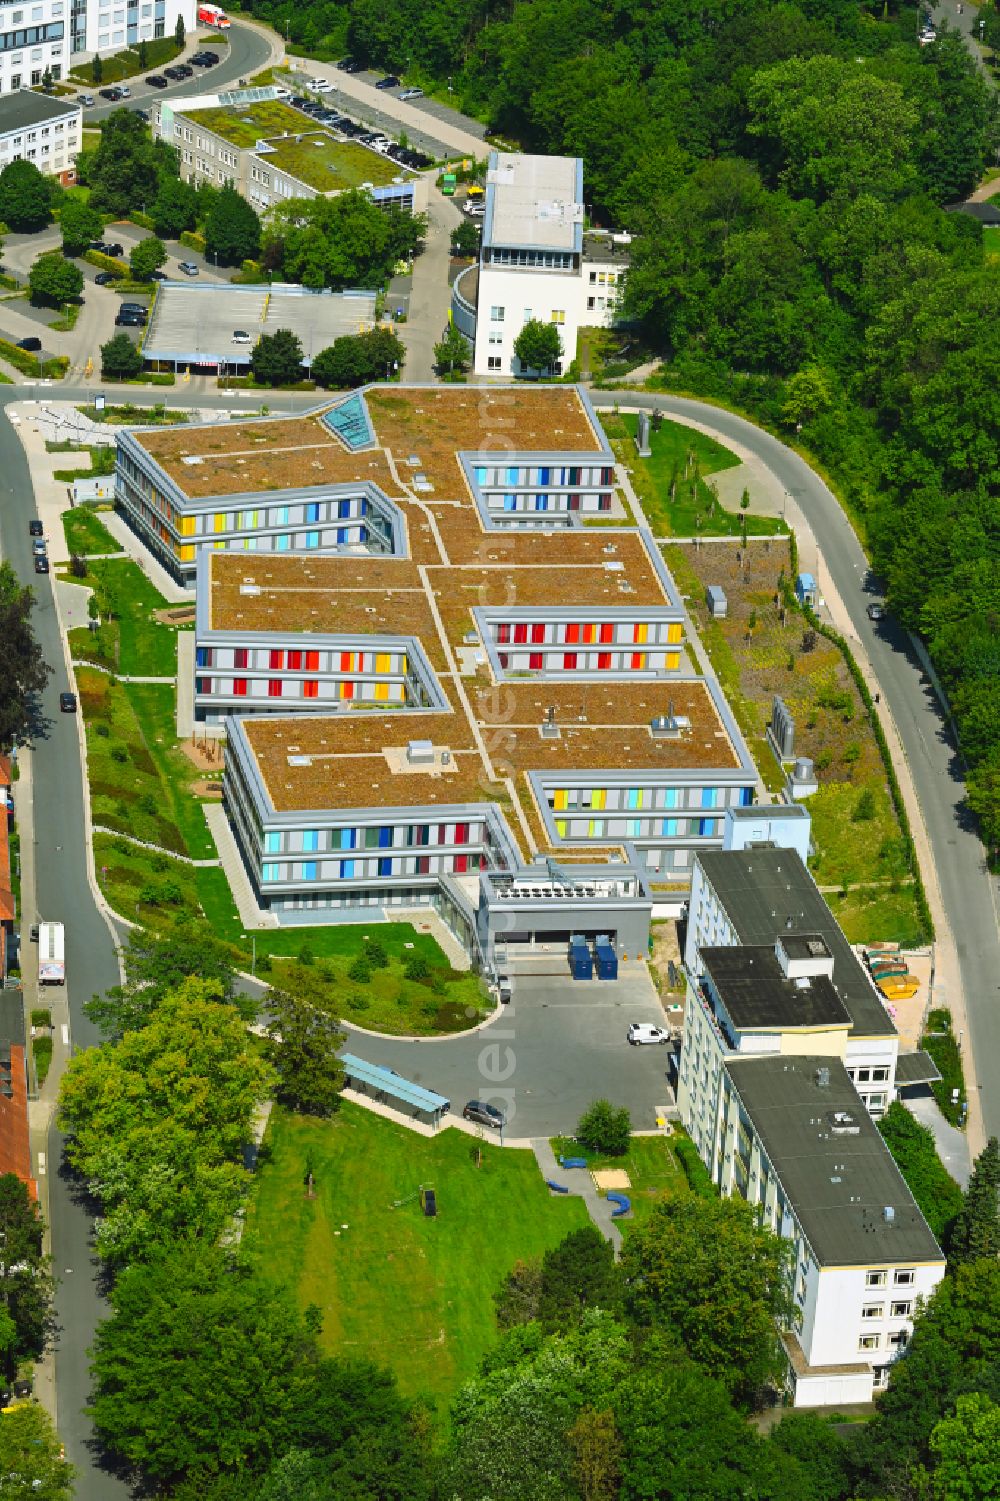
360	972
41	1017
605	1129
376	954
120	358
417	968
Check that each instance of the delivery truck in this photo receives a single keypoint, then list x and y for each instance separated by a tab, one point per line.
51	954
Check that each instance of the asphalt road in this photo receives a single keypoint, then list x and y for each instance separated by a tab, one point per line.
247	53
968	891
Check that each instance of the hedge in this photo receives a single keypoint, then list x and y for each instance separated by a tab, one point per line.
105	262
28	364
193	240
144	221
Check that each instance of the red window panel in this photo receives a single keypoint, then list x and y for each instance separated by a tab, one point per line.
607	476
520	635
637	632
504	660
461	864
604	502
346	661
535	661
240	657
239	687
277	660
572	634
574	502
538	633
604	659
423	865
274	688
607	631
442	833
295	661
569	661
347	690
310	688
589	633
312	661
638	660
503	634
461	833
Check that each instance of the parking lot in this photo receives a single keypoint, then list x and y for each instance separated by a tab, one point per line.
558	1047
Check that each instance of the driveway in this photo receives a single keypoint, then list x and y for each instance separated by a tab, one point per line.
558	1046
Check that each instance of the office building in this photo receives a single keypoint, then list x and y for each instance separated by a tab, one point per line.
34	128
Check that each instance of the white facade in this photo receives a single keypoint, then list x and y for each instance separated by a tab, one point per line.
34	39
46	132
537	262
112	25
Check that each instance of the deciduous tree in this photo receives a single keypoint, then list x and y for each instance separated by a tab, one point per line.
54	280
915	1154
538	346
125	170
277	359
25	1281
31	1456
175	207
605	1129
25	197
23	670
303	1044
156	966
357	359
147	256
120	358
976	1231
232	230
452	354
79	224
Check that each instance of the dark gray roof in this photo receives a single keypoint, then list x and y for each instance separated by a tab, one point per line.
755	992
768	892
837	1173
986	213
916	1068
17	111
11	1018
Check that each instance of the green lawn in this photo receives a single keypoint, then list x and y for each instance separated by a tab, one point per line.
878	913
131	642
86	533
137	416
651	1165
991	239
673	483
159	52
416	1294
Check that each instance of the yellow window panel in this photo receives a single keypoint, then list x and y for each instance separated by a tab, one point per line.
560	799
382	691
383	662
187	526
220	521
600	798
187	552
641	634
640	661
403	665
674	631
673	661
561	827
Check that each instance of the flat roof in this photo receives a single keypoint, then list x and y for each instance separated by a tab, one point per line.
243	123
916	1068
24	109
389	1082
758	995
329	164
833	1164
534	201
195	322
767	892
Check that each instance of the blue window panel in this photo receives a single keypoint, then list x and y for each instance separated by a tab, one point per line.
282	543
348	839
312	539
312	510
307	870
201	656
272	842
509	502
543	475
203	685
385	866
480	473
706	827
633	828
346	869
746	796
671	798
342	532
541	502
250	543
513	475
708	797
281	516
385	839
343	510
271	872
633	797
669	828
310	839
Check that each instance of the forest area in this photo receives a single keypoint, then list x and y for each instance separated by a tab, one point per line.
787	170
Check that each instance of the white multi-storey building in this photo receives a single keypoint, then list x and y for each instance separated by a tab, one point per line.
46	132
536	261
53	35
111	25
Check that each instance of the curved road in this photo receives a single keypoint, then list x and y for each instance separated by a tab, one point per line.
249	50
61	858
969	894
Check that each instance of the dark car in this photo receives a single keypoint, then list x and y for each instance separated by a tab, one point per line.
113	94
299	100
132	307
485	1115
30	343
104	278
184	70
130	320
390	81
174	73
35	528
33	933
876	612
41	565
156	81
143	115
111	247
67	703
157	276
349	65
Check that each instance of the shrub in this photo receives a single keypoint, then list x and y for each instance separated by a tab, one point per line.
864	808
102	728
376	954
417	968
360	971
119	753
306	955
605	1129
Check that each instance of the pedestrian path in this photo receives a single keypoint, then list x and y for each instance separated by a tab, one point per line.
157	849
251	914
952	1144
581	1186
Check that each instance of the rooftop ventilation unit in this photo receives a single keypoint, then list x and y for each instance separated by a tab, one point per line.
420	752
823	1078
549	730
888	1214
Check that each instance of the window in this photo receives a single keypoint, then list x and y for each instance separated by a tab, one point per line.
875	1279
706	828
558	315
572	635
385	865
277	659
272	842
310	688
461	833
569	661
669	828
240	657
346	869
541	502
574	502
310	840
873	1311
869	1341
494	362
537	633
312	661
708	797
203	656
604	660
899	1339
461	864
535	661
510	502
312	539
902	1310
520	634
343	511
240	687
496	314
904	1279
638	661
270	872
607	632
633	828
307	870
274	686
282	543
312	510
880	1075
294	661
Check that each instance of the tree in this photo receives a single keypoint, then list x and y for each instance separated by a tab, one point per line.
966	1453
465	238
605	1129
96	69
277	359
706	1270
155	967
25	672
79	224
120	358
179	31
976	1231
807	393
175	207
25	1282
813	1440
31	1457
345	241
232	230
143	56
596	1448
915	1154
303	1044
147	256
452	354
54	279
357	359
578	1274
25	197
126	170
518	1297
538	345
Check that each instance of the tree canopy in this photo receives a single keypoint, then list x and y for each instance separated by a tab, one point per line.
79	224
25	1279
25	197
54	279
345	241
357	359
277	359
120	358
232	229
915	1154
155	967
24	671
538	346
31	1459
302	1046
128	166
146	256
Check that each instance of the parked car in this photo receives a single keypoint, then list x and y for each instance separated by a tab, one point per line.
876	612
640	1034
321	86
67	703
412	94
185	70
33	932
390	81
124	91
349	65
41	565
114	94
32	344
111	247
131	320
485	1115
132	307
174	73
38	547
35	528
189	268
157	81
240	336
86	100
158	276
143	115
211	58
105	278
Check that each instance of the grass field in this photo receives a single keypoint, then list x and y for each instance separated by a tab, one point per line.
159	52
673	484
874	913
86	533
991	240
411	1292
131	641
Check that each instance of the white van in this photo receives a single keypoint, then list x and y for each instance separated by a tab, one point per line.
641	1033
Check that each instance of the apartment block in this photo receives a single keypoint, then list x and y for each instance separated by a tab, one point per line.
37	129
536	261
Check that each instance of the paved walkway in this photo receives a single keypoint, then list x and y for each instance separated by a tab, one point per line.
251	915
430	294
952	1144
581	1186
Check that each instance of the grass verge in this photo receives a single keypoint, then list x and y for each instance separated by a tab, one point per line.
418	1290
29	364
940	1041
86	534
159	51
129	640
136	416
